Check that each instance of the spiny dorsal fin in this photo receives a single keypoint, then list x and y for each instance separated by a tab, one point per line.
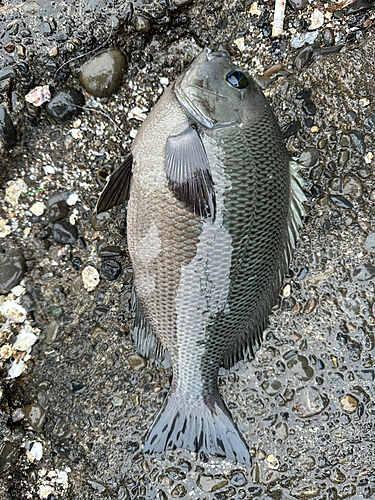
188	172
117	189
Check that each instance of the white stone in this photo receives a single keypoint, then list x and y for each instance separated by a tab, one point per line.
240	42
18	290
72	199
39	95
76	133
369	157
90	278
4	228
164	81
133	133
138	113
45	490
317	20
13	311
25	339
36	451
16	369
48	169
14	190
38	208
6	351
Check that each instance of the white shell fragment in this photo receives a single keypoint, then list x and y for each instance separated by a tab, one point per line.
36	452
90	278
25	339
14	190
72	199
4	228
16	369
38	208
317	20
39	95
138	113
13	311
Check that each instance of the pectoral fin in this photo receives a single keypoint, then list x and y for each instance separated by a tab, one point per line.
117	189
188	172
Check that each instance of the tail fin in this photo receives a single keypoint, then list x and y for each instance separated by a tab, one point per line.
196	425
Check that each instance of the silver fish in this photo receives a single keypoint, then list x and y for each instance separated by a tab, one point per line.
213	216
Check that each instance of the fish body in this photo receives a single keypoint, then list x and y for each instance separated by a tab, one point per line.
212	220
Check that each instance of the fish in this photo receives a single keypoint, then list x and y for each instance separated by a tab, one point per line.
215	203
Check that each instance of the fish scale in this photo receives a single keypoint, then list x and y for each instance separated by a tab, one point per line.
213	215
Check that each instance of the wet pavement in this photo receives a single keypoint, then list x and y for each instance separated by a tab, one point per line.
75	398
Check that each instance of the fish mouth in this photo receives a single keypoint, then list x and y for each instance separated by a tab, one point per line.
183	81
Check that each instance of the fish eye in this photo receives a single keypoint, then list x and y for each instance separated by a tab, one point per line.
237	80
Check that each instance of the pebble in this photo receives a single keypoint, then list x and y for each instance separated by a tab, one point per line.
328	37
272	387
13	311
369	244
340	201
353	187
16	369
291	129
51	331
310	402
14	190
36	452
137	362
309	108
371	120
316	20
37	208
35	416
65	233
310	306
300	368
8	454
58	211
65	103
102	75
349	403
298	41
366	272
90	278
303	57
38	96
7	130
309	157
209	483
25	339
297	4
179	491
4	228
142	24
272	462
336	476
110	270
357	141
12	269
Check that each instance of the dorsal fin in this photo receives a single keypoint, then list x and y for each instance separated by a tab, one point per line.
117	189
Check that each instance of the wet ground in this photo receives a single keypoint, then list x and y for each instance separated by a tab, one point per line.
76	399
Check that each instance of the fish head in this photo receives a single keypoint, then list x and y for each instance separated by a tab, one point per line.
218	94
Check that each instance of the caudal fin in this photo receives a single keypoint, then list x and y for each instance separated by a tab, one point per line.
197	425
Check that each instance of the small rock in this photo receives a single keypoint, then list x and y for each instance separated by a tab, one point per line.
309	157
353	187
341	201
137	362
35	416
8	454
237	478
337	476
7	130
13	311
38	208
303	57
309	108
14	190
110	270
310	306
58	211
102	75
371	120
328	37
369	244
272	462
12	269
297	4
349	403
209	484
38	96
4	228
357	141
90	278
65	103
16	369
142	25
65	233
179	491
290	129
272	387
36	452
309	402
316	20
366	272
25	339
300	368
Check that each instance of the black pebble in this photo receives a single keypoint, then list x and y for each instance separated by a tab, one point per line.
302	273
328	37
99	314
65	233
76	263
308	122
303	57
309	108
58	211
291	129
65	103
110	270
340	201
267	31
76	387
371	120
44	233
7	130
302	95
12	269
